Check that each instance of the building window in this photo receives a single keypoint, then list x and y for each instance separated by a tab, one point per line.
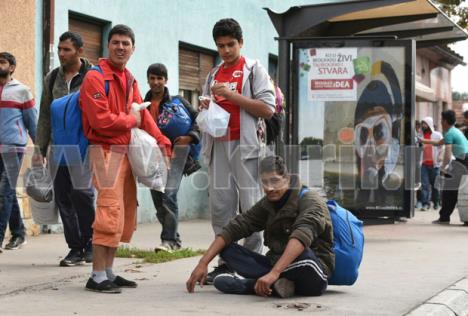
194	65
91	31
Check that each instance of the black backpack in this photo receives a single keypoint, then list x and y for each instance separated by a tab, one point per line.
274	124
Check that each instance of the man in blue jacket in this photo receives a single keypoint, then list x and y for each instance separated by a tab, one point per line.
18	118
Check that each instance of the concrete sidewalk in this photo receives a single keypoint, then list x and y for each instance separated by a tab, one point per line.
404	265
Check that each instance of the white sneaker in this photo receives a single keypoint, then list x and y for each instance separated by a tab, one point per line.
168	246
284	288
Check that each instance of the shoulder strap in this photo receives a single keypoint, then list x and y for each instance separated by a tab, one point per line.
251	79
53	77
106	82
303	191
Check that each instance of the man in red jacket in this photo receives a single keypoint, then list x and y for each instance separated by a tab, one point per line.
107	121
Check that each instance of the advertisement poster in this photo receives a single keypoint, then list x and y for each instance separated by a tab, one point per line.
331	74
354	112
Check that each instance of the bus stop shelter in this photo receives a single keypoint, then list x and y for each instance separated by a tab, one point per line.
362	31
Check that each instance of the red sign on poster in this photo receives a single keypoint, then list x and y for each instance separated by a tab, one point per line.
331	84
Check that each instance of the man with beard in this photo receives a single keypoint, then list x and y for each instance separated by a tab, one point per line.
76	205
18	118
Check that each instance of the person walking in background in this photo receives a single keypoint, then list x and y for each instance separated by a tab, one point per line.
430	165
18	118
456	144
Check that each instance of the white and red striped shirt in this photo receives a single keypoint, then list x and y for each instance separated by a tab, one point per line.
18	114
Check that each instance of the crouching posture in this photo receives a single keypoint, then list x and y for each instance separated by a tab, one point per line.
297	230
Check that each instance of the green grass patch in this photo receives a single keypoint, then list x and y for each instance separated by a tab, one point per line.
150	256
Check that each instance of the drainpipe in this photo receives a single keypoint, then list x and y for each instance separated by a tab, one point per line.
48	21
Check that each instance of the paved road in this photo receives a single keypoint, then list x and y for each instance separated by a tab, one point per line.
404	265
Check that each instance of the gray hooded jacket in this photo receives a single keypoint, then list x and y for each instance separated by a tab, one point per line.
262	90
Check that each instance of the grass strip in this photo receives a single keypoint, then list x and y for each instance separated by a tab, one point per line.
150	256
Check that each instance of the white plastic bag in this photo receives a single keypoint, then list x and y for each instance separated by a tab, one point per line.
44	213
145	157
39	185
213	121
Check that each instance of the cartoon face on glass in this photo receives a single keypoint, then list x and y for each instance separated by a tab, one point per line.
372	138
376	126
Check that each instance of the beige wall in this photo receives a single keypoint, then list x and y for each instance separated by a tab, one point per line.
18	37
441	83
437	78
422	70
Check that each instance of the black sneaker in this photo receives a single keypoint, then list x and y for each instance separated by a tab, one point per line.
103	287
284	288
222	269
121	282
16	243
74	257
231	284
88	255
439	222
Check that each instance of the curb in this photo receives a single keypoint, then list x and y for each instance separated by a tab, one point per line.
453	301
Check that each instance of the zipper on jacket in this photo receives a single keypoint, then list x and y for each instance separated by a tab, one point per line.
350	229
19	129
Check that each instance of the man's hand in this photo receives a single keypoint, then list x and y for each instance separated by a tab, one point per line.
204	102
263	285
221	90
167	160
183	140
37	160
137	115
198	275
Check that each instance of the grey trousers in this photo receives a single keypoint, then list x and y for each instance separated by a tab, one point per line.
233	181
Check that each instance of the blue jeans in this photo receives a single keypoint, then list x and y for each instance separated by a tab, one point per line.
10	165
167	210
428	180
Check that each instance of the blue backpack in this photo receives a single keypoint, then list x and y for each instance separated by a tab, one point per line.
174	120
348	243
70	144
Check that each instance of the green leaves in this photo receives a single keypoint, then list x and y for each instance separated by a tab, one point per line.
150	256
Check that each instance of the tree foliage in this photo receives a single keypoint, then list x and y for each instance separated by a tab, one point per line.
459	96
457	10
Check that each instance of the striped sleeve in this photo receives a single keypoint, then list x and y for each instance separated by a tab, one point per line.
28	100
